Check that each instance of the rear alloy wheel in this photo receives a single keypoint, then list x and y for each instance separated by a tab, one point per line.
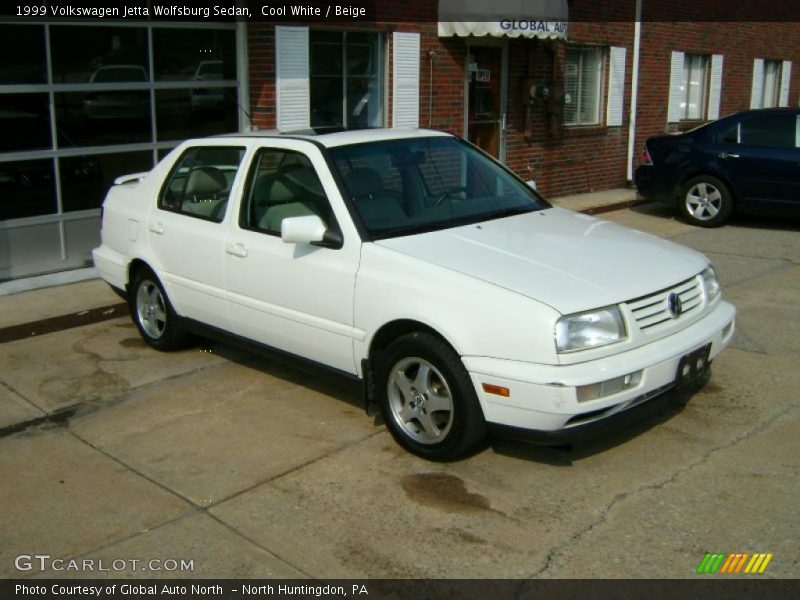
153	314
706	201
427	398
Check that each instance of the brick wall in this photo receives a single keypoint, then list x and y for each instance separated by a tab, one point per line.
566	160
738	42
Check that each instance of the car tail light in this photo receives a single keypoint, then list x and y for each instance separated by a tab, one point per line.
646	160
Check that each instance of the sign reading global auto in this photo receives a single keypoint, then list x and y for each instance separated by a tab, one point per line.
505	28
504	18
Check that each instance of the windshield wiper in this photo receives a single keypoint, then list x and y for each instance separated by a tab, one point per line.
510	212
410	229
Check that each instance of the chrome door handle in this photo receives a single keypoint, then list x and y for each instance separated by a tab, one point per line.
236	249
727	155
157	228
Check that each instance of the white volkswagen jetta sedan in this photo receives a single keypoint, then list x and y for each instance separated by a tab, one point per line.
411	261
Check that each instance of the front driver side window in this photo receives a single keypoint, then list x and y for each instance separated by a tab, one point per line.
282	184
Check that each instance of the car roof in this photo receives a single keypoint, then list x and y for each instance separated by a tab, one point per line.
756	111
335	138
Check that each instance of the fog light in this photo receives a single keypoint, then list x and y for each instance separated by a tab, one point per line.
593	391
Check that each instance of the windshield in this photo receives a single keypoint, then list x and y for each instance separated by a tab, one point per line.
400	187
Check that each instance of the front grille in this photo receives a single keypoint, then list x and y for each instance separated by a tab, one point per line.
653	310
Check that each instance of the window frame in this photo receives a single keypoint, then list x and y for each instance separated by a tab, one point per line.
252	173
602	68
177	164
776	84
381	74
686	79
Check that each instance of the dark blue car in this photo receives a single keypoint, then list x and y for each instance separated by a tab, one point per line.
748	162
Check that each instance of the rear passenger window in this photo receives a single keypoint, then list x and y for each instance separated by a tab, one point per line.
200	184
776	130
282	184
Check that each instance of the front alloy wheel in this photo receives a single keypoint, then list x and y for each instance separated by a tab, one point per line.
427	398
420	399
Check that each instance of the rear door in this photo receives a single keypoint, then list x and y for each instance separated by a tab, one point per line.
759	155
188	227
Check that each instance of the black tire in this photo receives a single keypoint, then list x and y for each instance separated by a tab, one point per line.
705	201
433	377
152	313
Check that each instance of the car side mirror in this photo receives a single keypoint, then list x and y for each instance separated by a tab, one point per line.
309	230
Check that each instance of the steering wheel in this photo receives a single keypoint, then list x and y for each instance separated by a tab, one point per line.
449	192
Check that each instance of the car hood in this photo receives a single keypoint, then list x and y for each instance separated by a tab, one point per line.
569	261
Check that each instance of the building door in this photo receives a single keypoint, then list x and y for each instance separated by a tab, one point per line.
485	114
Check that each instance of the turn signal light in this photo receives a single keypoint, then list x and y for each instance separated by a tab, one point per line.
497	390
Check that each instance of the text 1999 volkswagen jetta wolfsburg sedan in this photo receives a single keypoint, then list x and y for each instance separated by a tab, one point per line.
412	261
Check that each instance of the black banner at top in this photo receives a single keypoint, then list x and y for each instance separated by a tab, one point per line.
723	12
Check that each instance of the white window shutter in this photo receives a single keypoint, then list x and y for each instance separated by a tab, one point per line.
616	86
715	87
758	82
786	77
405	80
675	78
293	91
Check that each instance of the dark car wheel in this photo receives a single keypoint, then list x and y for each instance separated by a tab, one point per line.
153	314
705	201
427	398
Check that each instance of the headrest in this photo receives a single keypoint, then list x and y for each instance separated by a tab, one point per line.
205	181
363	182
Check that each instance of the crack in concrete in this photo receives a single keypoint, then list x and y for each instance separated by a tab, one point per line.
87	407
199	509
294	469
554	553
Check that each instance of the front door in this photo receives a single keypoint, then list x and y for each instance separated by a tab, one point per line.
486	98
295	297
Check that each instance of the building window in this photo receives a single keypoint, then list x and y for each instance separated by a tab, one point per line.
81	104
694	87
583	75
770	84
345	79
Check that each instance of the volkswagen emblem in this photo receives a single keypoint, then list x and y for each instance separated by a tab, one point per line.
675	305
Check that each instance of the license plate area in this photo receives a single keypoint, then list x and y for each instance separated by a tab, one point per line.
693	367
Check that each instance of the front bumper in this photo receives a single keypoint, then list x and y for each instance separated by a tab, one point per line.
544	400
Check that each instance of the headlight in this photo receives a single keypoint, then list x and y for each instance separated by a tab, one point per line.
590	329
711	284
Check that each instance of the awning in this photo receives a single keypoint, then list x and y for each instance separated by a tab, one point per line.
498	18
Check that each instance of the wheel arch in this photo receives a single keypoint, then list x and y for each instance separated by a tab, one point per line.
383	337
136	265
392	330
